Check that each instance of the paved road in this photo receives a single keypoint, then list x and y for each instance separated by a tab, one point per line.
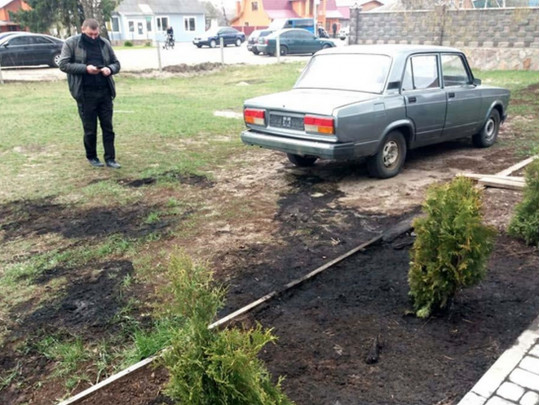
141	59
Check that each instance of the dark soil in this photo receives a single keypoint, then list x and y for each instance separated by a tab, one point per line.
328	326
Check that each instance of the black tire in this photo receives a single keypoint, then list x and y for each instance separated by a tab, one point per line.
255	51
326	46
302	161
55	60
489	132
199	46
283	50
238	42
389	160
212	44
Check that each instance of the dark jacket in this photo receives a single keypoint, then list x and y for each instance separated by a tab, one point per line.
73	62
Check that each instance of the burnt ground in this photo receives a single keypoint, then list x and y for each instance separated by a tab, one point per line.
327	327
300	219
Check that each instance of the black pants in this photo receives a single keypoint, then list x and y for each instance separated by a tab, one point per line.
97	103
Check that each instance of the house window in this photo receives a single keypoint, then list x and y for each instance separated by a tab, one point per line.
131	25
162	23
149	24
140	28
189	23
115	24
254	6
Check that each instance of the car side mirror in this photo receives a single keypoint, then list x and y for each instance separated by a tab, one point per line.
477	82
393	85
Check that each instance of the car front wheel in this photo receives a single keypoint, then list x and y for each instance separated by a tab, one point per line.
238	42
488	134
212	44
301	161
389	160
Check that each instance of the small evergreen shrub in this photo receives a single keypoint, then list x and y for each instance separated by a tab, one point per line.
524	223
209	367
451	248
148	44
128	43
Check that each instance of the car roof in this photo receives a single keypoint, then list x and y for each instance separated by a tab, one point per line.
29	34
288	30
392	50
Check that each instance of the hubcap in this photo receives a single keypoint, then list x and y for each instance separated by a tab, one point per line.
490	129
390	153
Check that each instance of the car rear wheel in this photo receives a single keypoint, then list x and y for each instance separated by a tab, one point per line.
55	60
238	42
283	50
488	134
389	160
255	51
302	161
326	46
212	44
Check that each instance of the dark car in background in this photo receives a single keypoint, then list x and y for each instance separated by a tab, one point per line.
212	37
26	49
253	40
292	41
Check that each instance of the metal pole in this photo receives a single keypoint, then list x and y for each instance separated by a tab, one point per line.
222	53
1	78
278	49
159	55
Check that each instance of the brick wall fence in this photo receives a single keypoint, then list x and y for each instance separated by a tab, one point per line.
492	38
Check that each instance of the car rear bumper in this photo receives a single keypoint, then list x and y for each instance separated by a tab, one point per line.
324	150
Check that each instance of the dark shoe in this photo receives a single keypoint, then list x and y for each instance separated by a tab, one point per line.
95	162
113	164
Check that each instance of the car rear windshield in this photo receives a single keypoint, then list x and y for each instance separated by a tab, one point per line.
355	72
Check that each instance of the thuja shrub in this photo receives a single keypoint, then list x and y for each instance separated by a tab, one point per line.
212	366
524	223
451	248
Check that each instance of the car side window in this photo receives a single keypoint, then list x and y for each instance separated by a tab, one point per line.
421	73
40	40
454	71
20	41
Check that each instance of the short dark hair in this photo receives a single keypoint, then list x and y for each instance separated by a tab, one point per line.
90	23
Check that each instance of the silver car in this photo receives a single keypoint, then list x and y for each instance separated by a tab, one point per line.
376	101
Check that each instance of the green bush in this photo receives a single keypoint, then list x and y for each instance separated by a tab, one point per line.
211	366
451	248
524	224
128	43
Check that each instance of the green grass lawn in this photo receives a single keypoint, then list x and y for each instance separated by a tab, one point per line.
165	128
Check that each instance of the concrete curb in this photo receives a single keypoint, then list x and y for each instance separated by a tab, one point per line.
513	378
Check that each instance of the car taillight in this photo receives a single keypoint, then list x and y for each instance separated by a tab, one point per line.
321	125
254	116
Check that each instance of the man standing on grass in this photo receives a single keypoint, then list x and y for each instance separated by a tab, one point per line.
90	62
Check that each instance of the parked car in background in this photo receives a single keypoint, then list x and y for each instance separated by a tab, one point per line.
212	37
376	101
253	39
26	49
292	41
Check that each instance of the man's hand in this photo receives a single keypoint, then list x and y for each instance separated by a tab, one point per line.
92	70
106	71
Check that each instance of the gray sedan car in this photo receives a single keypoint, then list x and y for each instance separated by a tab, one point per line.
376	101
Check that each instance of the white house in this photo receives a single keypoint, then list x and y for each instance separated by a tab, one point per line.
140	20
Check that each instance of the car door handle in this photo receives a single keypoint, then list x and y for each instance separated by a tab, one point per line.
451	95
412	99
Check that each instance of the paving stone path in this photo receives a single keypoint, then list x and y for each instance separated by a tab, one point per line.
513	379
